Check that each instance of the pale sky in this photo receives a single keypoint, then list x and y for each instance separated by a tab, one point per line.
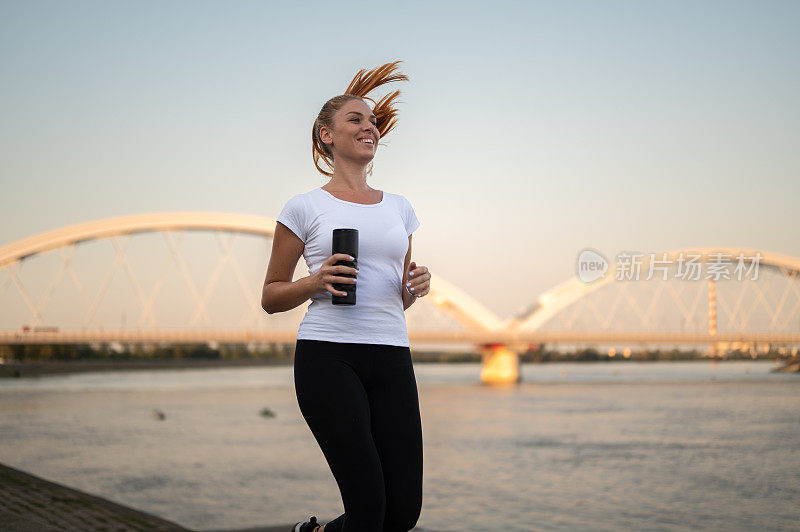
528	131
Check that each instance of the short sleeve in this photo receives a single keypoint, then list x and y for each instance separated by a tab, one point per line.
294	216
410	217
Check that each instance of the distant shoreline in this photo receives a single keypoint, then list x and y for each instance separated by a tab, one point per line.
33	369
25	369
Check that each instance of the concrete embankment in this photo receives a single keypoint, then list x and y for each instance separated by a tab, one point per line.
32	504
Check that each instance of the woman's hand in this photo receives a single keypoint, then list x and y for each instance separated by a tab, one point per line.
328	274
419	280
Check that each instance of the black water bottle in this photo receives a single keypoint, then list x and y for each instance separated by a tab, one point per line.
345	241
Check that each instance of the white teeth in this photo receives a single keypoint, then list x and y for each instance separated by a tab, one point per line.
367	141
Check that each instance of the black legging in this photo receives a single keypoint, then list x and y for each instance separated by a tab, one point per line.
360	402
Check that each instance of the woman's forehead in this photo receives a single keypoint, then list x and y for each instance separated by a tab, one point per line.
359	106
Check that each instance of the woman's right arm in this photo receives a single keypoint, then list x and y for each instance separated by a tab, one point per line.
279	293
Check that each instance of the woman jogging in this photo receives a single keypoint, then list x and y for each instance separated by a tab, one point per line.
353	375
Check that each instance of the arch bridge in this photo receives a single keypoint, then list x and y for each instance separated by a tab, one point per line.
609	311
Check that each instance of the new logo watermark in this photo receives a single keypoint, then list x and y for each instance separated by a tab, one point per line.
591	265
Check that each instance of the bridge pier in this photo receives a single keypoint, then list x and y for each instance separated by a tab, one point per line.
500	365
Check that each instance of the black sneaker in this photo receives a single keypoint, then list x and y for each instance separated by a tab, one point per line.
306	526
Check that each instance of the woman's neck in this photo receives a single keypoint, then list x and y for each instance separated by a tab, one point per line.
349	175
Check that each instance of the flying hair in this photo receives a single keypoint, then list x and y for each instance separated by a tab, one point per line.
364	82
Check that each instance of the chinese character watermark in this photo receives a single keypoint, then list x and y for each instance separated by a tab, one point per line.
591	266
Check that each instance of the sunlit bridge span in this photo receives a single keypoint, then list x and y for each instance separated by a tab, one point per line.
196	277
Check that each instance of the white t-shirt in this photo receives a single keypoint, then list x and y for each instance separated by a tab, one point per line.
383	230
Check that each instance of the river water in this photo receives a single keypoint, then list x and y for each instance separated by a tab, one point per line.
576	446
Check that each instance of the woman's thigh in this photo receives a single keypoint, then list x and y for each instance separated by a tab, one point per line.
334	403
397	433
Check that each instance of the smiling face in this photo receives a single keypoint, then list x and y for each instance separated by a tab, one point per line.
354	135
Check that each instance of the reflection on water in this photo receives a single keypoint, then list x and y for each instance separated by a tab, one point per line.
604	446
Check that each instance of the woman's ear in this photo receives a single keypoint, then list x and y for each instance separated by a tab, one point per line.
325	135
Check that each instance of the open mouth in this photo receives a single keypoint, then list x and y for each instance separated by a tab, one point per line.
367	141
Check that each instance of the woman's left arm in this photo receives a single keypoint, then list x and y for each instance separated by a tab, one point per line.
416	279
